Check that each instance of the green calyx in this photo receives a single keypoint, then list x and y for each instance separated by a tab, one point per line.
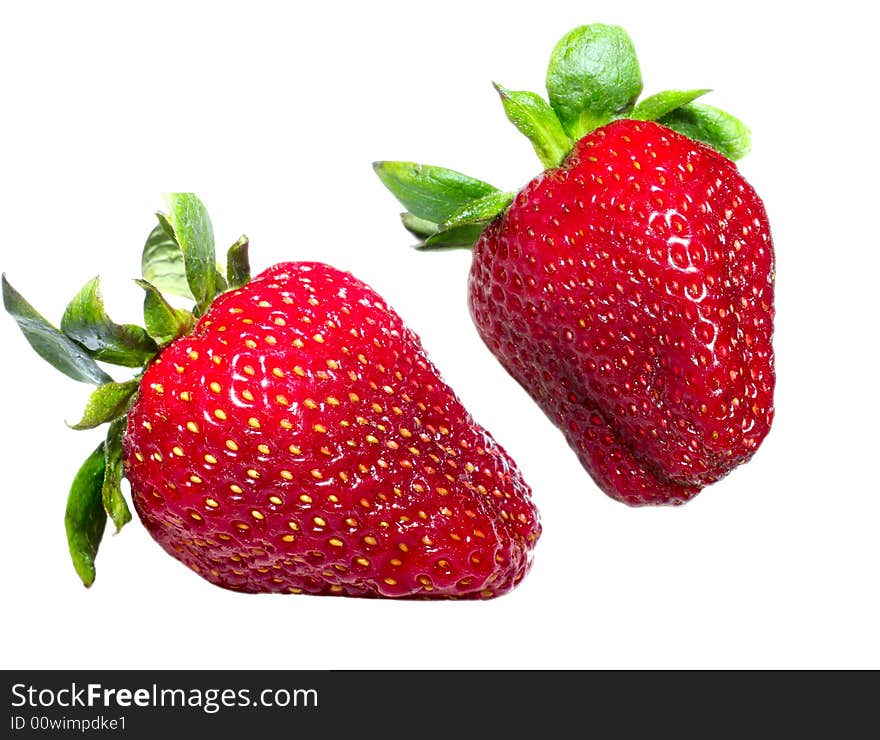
593	78
177	259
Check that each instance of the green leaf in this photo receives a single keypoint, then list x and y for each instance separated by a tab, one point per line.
238	266
533	117
111	489
662	103
59	350
713	126
168	229
163	321
478	211
418	227
162	261
593	77
458	237
110	401
195	235
220	284
429	192
85	518
86	322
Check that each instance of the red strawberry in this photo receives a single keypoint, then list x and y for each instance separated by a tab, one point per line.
298	439
628	288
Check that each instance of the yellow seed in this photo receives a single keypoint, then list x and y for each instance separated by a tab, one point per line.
281	400
139	456
235	488
215	386
363	502
257	514
286	474
319	521
176	450
370	540
250	344
196	516
320	428
390	581
343	477
332	401
216	359
247	395
310	404
279	321
335	542
210	459
294	526
333	499
396	562
231	445
264	304
220	414
294	450
275	500
353	397
192	426
318	338
316	473
193	355
211	502
305	498
404	432
251	473
185	396
332	364
248	370
286	424
263	448
298	343
289	538
254	422
362	561
270	340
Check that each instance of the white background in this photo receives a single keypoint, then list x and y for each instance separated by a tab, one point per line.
273	113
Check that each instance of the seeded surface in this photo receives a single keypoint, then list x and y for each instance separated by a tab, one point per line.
630	292
299	440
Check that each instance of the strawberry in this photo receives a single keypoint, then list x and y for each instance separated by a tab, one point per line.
628	287
290	435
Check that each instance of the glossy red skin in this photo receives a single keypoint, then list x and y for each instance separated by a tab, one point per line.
393	491
630	292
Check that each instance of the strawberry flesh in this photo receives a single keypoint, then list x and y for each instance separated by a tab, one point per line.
630	292
299	440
